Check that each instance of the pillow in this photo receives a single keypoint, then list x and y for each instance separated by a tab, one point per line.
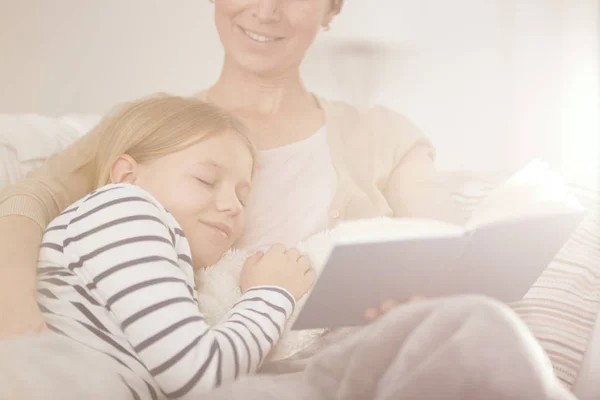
26	140
561	308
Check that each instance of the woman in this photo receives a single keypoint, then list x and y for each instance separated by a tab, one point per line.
321	162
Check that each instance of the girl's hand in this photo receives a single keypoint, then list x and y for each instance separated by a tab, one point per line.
282	267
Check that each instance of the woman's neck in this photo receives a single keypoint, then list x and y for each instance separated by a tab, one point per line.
240	90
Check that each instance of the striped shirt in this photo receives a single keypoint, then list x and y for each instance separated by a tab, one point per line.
115	274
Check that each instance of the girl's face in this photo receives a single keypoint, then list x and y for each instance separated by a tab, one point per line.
205	187
270	36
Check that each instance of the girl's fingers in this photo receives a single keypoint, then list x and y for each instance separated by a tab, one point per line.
253	259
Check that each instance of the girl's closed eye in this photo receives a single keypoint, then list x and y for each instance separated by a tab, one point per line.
206	178
207	175
207	182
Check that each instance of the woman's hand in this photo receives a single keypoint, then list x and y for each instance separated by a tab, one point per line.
19	316
371	314
285	268
19	251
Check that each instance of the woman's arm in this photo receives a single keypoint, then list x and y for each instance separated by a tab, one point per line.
124	245
64	178
415	189
26	208
19	313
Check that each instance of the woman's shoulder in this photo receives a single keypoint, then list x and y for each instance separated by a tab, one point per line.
377	123
201	94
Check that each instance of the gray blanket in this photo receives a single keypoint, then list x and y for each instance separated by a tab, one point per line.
458	348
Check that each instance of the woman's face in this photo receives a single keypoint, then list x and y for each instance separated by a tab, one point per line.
268	37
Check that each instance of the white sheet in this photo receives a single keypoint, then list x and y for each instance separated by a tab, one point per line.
26	140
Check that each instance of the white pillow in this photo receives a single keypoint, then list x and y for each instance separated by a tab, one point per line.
26	140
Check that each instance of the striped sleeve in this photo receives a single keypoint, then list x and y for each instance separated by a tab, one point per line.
122	244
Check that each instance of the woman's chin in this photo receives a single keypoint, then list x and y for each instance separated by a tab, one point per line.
257	66
260	65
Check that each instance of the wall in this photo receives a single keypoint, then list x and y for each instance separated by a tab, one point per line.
484	79
74	56
556	86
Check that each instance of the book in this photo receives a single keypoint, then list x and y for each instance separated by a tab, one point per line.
506	244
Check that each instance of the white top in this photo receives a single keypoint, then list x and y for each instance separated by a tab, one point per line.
115	274
292	190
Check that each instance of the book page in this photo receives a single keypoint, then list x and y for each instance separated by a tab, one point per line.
384	229
533	191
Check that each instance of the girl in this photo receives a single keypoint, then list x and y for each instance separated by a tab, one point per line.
116	269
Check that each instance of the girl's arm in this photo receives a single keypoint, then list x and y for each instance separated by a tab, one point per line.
127	248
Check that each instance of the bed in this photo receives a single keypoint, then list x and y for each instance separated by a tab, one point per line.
561	308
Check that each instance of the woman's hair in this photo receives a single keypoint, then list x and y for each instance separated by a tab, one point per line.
149	128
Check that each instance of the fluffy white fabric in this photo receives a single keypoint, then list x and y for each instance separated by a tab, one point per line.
218	285
218	290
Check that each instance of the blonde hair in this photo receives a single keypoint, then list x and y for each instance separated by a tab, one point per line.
152	127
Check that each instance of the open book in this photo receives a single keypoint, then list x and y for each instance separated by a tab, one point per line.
500	252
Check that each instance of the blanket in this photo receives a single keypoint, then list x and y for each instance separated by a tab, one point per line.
464	347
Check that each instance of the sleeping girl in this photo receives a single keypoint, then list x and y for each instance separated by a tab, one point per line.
116	269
